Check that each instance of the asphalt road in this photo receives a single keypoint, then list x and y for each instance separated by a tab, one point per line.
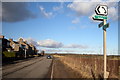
37	68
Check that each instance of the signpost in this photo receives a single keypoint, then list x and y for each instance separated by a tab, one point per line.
99	17
102	12
101	24
105	26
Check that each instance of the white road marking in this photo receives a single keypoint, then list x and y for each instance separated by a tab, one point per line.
52	71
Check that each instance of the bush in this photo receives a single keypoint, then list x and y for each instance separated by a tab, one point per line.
9	54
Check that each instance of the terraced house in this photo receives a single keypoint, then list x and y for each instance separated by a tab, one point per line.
16	48
34	50
20	47
5	44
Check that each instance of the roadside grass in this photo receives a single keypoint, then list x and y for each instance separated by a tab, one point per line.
91	66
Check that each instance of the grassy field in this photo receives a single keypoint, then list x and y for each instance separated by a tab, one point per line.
91	66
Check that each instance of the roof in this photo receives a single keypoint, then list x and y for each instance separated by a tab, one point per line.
15	42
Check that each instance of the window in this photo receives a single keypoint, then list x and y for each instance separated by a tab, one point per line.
8	50
13	46
8	44
22	46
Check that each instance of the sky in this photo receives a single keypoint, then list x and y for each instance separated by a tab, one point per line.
61	27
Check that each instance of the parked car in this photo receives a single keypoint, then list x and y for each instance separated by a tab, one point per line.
49	57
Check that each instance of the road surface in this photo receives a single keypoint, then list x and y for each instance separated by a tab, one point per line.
37	68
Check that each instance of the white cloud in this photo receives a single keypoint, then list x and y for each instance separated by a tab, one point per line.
76	20
76	46
82	8
71	51
31	41
87	9
44	13
50	43
56	8
61	51
112	13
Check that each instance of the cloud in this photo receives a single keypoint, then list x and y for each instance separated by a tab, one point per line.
60	51
75	21
91	19
15	11
31	41
76	46
82	8
113	13
72	51
87	9
50	43
44	13
57	8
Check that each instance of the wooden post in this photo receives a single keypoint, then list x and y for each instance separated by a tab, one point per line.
104	50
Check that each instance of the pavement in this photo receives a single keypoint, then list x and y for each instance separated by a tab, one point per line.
62	71
37	68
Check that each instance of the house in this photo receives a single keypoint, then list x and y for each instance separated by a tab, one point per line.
26	47
16	48
34	51
20	47
5	44
0	45
15	45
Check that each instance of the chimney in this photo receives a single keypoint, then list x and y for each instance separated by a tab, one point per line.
25	41
1	36
20	39
10	39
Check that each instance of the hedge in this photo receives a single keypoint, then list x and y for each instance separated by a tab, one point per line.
9	54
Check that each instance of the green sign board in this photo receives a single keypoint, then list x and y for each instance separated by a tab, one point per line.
101	24
105	26
99	17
